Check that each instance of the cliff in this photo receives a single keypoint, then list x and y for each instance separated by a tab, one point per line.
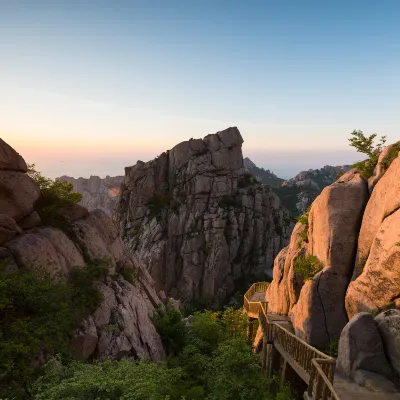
198	221
264	176
83	238
98	193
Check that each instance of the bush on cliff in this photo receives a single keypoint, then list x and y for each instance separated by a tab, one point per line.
366	145
307	266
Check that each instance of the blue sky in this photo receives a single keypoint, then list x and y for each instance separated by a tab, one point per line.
90	87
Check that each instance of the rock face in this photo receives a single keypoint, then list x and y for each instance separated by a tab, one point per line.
121	326
361	347
376	281
299	192
197	221
264	176
354	234
97	193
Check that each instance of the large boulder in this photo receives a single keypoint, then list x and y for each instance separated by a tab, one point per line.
389	329
19	194
361	347
85	339
384	201
8	228
10	160
334	222
47	248
379	283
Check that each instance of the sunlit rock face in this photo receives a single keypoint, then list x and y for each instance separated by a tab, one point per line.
97	193
198	221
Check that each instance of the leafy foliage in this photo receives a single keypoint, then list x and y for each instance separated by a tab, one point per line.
397	244
333	348
366	145
246	180
228	202
37	314
303	219
157	203
307	266
129	274
55	195
170	327
391	156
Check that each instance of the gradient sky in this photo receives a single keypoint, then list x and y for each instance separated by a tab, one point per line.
90	87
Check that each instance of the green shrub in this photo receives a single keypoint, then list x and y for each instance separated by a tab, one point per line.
157	203
54	195
228	202
129	274
391	156
133	232
303	219
397	244
366	145
171	328
307	266
38	313
333	348
246	180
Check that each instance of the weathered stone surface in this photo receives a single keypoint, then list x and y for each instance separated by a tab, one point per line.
334	222
99	238
123	322
46	248
379	283
384	201
10	160
379	169
284	290
374	382
74	213
8	228
97	193
361	347
30	221
389	329
18	194
196	222
84	340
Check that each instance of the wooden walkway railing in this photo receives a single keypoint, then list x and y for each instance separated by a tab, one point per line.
316	368
252	307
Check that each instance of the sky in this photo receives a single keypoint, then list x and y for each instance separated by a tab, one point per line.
89	87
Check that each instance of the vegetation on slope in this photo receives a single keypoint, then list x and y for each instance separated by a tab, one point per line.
211	359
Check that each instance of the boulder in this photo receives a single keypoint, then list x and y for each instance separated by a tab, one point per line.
74	213
384	201
47	248
19	194
334	222
8	228
361	347
379	283
84	340
10	160
30	221
389	329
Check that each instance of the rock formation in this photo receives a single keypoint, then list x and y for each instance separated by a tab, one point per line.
121	326
299	192
198	221
264	176
352	233
97	193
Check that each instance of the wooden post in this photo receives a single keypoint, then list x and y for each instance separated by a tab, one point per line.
283	372
264	353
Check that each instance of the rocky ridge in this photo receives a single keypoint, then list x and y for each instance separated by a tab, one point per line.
198	221
264	176
126	307
352	236
97	193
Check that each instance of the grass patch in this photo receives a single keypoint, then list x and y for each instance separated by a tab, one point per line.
307	266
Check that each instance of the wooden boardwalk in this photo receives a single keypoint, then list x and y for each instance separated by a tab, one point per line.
314	367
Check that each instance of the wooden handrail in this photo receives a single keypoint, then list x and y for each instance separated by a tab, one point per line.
314	367
320	385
